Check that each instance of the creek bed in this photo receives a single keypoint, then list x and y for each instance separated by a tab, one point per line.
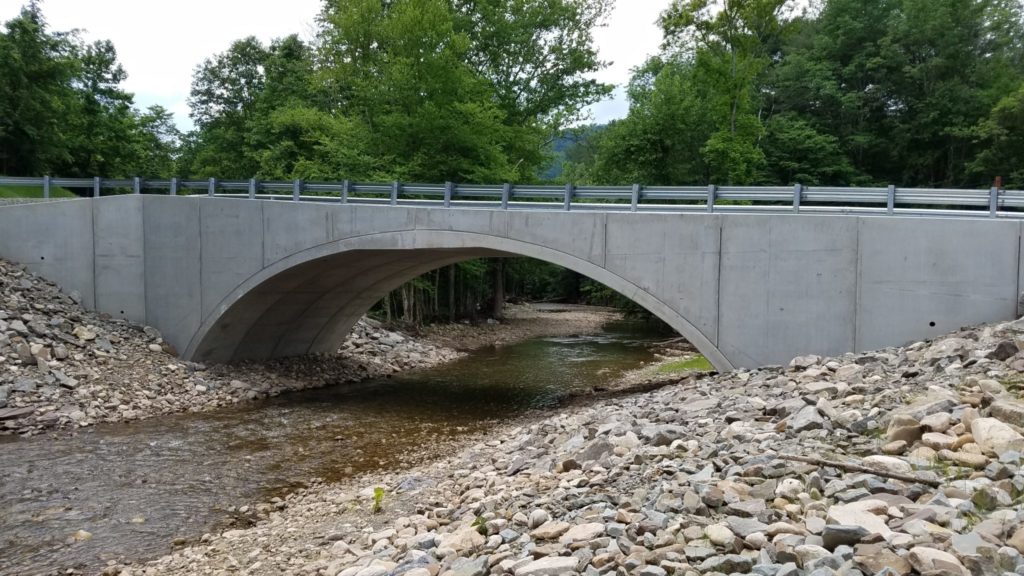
137	487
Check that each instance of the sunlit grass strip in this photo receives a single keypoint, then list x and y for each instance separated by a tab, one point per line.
696	363
12	191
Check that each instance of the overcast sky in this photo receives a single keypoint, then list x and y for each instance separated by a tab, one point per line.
160	42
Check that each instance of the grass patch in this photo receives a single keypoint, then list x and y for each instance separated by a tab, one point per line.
13	191
698	363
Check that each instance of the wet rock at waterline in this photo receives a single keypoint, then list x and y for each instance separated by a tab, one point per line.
912	466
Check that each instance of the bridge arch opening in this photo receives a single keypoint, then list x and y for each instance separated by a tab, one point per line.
308	302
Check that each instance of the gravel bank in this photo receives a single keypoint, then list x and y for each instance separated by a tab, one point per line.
688	480
522	322
62	367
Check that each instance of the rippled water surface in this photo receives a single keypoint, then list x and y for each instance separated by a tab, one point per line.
137	487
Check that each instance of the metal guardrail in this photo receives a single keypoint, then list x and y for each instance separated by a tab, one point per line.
891	200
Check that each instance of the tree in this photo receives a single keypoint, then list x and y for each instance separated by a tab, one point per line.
101	127
225	88
157	142
660	142
537	56
1002	134
732	43
797	153
37	68
400	68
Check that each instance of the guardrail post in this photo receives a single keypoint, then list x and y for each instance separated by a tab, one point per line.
993	201
95	186
252	188
506	191
798	192
634	199
394	193
174	187
890	203
296	190
213	187
448	186
568	196
136	185
345	187
46	187
712	189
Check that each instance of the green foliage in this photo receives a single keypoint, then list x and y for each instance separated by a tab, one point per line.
1002	136
378	500
410	90
11	191
63	111
854	92
697	363
480	525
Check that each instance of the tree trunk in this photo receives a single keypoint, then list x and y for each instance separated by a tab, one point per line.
498	310
451	293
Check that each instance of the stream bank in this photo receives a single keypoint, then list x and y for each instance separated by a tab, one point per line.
123	492
912	465
63	368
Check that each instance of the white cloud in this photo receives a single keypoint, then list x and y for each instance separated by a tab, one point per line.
160	43
631	36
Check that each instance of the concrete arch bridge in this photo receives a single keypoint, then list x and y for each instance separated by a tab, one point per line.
244	278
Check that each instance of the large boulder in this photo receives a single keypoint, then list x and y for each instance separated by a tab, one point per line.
996	436
933	561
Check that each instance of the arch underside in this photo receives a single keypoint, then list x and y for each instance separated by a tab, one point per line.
308	302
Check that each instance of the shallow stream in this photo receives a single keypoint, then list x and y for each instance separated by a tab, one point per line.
137	487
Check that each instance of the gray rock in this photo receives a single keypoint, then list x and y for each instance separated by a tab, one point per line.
470	566
744	527
835	535
806	419
594	451
1003	351
699	553
727	563
548	566
537	518
24	385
